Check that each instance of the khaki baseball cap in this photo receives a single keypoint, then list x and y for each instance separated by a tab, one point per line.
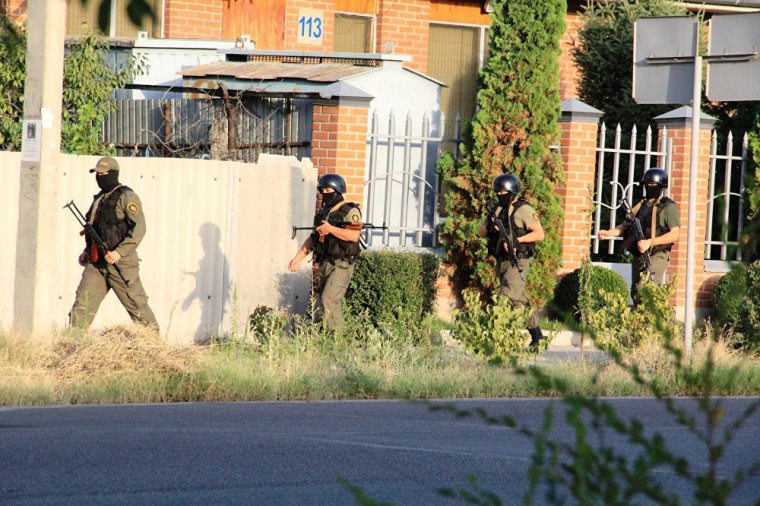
105	164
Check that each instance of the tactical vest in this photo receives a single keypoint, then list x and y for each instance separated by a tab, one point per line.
523	250
110	229
644	214
331	248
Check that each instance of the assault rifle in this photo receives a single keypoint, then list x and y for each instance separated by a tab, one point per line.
505	241
90	230
362	242
638	233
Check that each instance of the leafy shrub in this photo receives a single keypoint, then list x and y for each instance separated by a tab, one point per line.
265	322
89	81
749	314
728	296
616	325
493	331
601	281
393	286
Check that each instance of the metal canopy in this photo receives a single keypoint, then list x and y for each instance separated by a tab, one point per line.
269	71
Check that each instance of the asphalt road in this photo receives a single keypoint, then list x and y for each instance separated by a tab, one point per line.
295	452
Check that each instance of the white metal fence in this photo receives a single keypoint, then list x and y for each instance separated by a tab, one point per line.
401	188
621	163
725	210
621	167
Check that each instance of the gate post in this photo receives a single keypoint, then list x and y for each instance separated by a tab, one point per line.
580	130
678	123
339	138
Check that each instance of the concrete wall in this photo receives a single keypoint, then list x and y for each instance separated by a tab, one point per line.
218	241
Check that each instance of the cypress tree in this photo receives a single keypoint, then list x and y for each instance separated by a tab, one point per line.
513	131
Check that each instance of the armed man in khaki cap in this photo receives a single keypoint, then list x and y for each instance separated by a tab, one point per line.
116	215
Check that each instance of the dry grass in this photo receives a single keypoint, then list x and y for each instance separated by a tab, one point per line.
655	363
130	364
120	350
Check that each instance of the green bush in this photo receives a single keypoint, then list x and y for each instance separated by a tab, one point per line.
393	286
493	331
749	314
613	324
602	281
728	296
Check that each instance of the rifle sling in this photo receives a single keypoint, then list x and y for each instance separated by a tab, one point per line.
653	229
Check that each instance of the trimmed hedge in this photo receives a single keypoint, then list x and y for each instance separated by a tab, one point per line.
728	296
393	286
566	292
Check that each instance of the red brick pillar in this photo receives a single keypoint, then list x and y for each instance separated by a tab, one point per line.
339	141
678	124
580	128
16	9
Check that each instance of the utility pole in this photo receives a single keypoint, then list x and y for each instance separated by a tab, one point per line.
38	207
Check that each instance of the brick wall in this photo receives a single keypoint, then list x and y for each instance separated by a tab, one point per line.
16	9
192	19
578	150
292	9
339	144
568	71
406	25
679	191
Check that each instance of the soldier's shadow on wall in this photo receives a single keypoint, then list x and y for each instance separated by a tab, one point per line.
212	285
295	292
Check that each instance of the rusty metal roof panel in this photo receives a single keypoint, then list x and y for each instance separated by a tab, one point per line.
344	72
217	68
262	71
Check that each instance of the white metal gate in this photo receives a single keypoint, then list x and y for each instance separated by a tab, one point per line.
402	186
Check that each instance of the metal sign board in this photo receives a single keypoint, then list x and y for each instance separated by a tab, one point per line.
733	70
663	59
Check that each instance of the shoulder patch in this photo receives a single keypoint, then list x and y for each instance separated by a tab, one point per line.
133	208
355	217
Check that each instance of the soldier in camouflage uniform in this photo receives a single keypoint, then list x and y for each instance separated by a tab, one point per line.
521	221
661	226
335	243
116	214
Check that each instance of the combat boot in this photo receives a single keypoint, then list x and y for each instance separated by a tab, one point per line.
536	336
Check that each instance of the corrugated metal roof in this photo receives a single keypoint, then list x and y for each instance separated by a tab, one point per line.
270	71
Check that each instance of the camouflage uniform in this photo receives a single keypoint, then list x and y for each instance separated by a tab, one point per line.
122	209
512	279
334	260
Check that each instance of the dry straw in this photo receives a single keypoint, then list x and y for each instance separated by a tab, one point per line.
121	350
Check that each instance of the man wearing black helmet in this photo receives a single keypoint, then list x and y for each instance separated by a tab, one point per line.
335	242
661	226
521	223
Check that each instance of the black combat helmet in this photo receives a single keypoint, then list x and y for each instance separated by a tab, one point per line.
334	181
655	175
506	182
